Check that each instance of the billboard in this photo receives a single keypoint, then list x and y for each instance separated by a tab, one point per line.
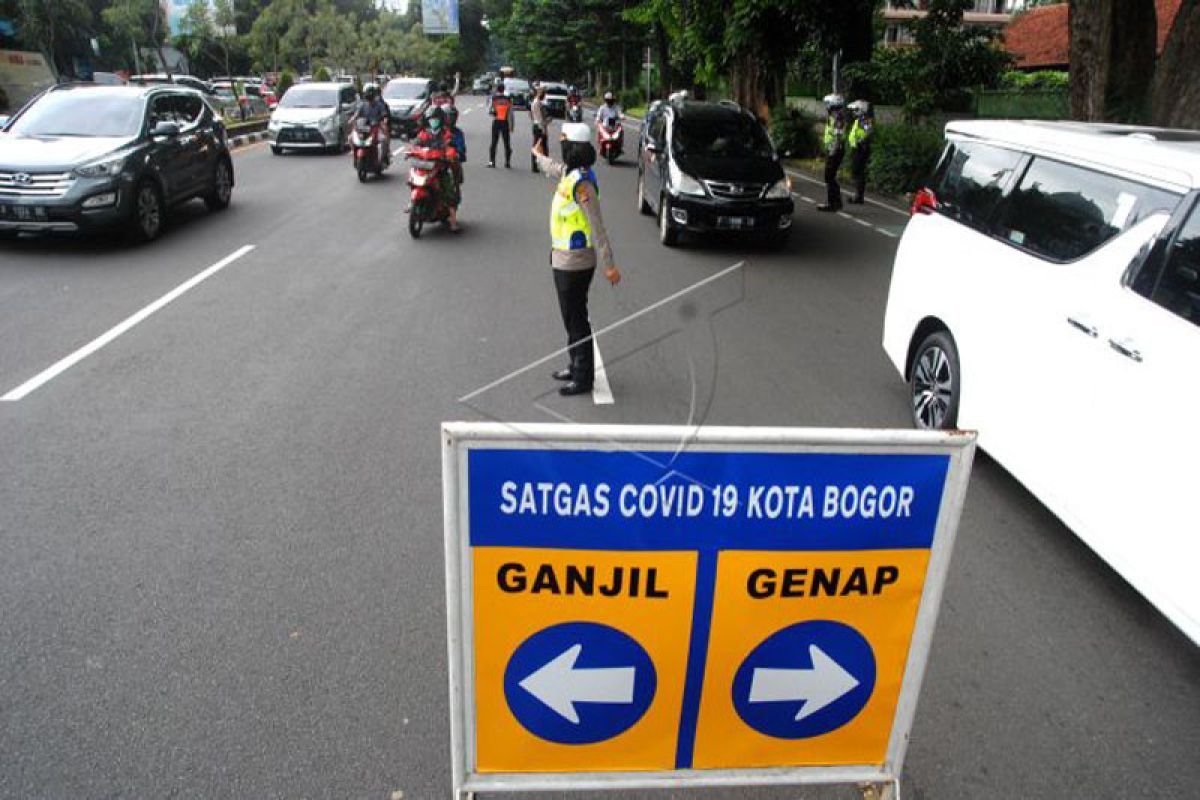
439	16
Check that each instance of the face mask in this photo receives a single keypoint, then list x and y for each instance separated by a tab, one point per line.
435	123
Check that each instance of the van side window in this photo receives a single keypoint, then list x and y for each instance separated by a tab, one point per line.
1063	212
1179	289
970	180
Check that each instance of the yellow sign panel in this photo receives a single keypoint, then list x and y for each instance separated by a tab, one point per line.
761	593
520	592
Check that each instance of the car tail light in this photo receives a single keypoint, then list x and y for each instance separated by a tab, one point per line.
925	202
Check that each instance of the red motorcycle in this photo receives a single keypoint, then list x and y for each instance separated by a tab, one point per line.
366	145
426	167
610	137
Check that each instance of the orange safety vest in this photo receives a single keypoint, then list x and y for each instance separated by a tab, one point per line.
501	105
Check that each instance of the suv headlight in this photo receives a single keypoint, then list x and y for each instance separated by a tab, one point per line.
781	190
104	168
274	124
684	183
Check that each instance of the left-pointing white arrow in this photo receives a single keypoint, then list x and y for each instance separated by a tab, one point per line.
560	686
818	687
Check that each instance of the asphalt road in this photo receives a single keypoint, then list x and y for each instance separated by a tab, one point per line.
220	533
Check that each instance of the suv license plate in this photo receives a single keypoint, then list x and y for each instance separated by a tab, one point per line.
738	223
23	213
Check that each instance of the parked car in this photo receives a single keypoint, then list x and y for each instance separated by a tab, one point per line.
244	106
711	168
312	116
407	99
520	91
1046	292
483	83
556	98
82	157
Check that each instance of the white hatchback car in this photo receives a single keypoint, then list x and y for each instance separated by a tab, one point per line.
1046	293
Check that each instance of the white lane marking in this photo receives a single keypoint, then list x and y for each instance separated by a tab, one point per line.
807	199
112	333
601	392
469	110
864	223
881	204
887	233
844	215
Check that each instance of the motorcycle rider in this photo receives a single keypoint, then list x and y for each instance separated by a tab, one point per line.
374	110
500	106
834	143
609	111
574	112
459	139
435	135
578	242
859	141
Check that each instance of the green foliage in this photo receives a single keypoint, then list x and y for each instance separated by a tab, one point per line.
902	156
794	134
286	79
1042	80
321	74
887	79
631	97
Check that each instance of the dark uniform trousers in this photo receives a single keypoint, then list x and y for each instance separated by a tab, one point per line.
859	157
500	130
572	287
833	162
539	135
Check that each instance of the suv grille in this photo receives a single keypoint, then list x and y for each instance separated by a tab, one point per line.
735	191
31	184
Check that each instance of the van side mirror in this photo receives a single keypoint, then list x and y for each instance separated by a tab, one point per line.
165	129
651	147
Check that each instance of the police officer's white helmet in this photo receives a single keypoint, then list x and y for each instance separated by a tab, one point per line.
609	96
833	101
576	132
860	108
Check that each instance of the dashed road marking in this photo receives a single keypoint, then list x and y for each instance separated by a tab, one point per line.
863	222
879	203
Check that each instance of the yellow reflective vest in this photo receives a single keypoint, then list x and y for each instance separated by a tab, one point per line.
569	225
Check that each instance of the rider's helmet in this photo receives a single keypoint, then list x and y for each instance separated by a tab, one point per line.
499	84
609	98
834	102
572	90
370	91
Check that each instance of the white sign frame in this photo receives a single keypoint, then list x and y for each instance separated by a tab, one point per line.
460	437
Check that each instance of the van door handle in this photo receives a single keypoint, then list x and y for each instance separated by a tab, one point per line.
1083	327
1126	348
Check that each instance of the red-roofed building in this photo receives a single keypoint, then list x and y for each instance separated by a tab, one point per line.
1039	37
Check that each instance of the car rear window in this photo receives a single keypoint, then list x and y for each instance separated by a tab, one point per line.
970	180
1063	212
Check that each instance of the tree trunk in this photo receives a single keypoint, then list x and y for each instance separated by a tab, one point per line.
754	87
664	58
1175	94
1111	50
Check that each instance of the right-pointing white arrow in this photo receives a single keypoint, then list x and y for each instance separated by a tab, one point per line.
818	687
560	686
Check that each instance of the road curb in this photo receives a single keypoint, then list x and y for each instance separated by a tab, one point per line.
247	139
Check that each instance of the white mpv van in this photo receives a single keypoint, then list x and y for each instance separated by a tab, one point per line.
1046	293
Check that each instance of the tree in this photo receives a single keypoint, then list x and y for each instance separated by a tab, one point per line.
1111	48
1175	92
55	29
139	22
209	31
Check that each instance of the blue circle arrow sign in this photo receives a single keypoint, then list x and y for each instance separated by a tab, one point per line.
805	680
579	683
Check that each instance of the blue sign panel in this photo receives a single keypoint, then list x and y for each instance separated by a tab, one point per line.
806	680
579	683
707	500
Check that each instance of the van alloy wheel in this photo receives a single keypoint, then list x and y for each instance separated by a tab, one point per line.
935	383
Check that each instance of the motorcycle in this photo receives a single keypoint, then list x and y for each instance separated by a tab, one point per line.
366	145
424	177
611	139
574	111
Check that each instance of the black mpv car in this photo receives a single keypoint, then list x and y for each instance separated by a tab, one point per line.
710	167
83	157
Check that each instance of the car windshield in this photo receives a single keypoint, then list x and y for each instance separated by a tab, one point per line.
732	136
307	97
408	90
82	113
555	88
516	85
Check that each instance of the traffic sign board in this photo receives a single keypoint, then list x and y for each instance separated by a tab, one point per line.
630	614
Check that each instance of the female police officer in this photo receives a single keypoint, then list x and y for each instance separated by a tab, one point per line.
578	242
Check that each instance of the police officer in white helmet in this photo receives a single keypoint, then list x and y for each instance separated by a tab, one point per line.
578	243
